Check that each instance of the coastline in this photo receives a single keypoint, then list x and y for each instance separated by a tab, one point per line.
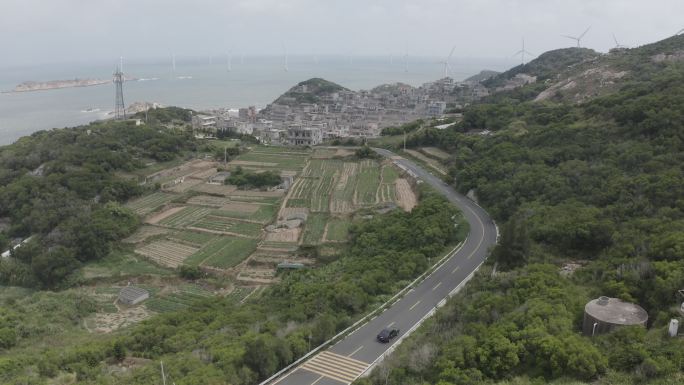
32	86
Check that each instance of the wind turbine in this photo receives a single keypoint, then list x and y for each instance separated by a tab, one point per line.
578	38
522	52
618	45
285	58
446	62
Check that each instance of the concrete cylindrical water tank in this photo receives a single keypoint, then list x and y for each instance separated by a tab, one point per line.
603	314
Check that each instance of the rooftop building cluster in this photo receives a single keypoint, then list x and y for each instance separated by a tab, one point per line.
316	110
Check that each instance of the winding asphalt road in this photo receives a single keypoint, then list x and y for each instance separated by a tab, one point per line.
356	353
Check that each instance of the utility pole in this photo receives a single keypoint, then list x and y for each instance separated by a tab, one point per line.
225	156
162	372
404	139
119	107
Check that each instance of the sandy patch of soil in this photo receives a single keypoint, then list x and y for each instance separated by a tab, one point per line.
109	322
156	218
406	199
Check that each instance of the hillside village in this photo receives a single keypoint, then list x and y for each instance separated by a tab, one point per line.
316	110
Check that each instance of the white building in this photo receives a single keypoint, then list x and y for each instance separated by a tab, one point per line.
304	136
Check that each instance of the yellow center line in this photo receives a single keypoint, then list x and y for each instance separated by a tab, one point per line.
455	270
355	351
436	286
414	305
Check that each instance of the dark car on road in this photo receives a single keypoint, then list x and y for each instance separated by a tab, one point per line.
387	334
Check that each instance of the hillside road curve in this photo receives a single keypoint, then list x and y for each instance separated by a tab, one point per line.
349	358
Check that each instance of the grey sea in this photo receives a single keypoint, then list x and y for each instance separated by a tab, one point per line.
201	83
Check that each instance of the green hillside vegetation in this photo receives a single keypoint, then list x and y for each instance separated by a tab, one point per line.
245	179
599	184
315	88
64	188
217	341
546	66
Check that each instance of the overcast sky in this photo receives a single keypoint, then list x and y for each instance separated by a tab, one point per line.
46	31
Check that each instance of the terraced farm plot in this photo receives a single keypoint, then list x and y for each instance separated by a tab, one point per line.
185	297
278	246
215	189
223	252
145	232
167	253
367	183
228	252
281	161
337	230
320	198
301	189
314	228
185	217
239	293
260	213
387	193
149	203
192	238
243	196
224	224
208	200
389	174
343	192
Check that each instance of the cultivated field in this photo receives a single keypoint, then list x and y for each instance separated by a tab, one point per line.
367	183
223	252
180	298
149	203
145	232
167	253
247	232
314	228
